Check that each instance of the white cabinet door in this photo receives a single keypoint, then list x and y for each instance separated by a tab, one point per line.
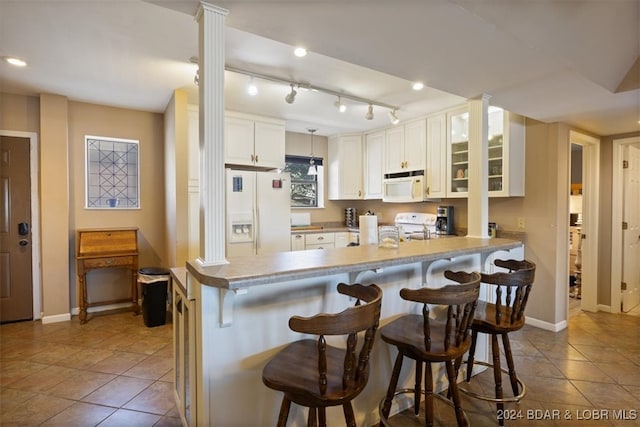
415	145
436	172
238	141
394	150
297	242
269	145
373	165
341	239
345	167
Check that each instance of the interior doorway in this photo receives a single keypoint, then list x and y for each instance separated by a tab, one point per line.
575	230
588	230
625	226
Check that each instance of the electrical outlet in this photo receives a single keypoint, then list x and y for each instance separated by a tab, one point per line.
520	222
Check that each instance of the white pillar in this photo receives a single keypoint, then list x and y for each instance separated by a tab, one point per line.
211	24
478	200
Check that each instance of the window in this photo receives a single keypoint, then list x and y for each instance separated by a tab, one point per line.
112	180
306	190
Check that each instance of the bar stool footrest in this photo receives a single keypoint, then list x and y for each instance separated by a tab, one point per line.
385	422
509	399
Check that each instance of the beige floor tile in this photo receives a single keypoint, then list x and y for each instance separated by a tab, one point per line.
80	385
581	370
118	362
15	370
80	414
622	373
118	391
152	368
10	398
85	359
169	422
606	396
34	411
156	399
45	379
124	417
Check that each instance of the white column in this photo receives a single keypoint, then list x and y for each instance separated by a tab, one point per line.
478	200
211	23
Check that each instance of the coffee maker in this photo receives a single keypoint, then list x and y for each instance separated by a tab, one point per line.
444	220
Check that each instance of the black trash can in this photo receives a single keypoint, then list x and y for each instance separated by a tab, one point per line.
154	281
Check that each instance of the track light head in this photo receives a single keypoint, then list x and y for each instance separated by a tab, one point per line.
369	115
340	106
291	96
252	89
393	118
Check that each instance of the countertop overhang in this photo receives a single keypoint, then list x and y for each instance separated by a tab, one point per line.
247	271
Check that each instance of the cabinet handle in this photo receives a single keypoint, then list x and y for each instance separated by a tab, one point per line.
427	191
252	157
256	158
298	236
359	193
321	238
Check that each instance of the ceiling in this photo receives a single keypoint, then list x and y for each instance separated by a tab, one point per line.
569	61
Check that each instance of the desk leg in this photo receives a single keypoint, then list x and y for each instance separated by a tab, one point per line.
134	291
82	278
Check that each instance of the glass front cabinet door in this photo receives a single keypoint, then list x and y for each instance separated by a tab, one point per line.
505	153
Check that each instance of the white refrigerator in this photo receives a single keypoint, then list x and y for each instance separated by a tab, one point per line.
258	217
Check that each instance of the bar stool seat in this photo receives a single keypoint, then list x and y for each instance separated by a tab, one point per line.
427	340
314	374
498	319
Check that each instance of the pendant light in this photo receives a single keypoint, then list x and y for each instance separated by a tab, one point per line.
313	170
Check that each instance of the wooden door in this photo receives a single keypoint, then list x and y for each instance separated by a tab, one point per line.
631	232
16	285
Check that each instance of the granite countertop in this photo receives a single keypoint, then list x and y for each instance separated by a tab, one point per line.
248	271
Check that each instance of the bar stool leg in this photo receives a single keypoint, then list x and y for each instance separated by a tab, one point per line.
284	412
386	407
497	374
455	396
312	421
512	369
417	389
472	352
349	415
322	417
428	395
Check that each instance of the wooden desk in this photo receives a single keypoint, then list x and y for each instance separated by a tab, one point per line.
106	248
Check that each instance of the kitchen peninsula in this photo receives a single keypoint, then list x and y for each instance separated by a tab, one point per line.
238	319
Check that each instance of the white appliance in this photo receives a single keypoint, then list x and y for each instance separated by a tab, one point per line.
258	217
415	223
403	189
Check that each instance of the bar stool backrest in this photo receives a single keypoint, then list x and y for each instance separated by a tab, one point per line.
351	321
516	286
461	300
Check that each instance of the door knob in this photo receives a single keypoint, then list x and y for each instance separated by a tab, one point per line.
23	242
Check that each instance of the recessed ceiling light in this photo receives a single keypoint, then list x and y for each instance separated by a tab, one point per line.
300	52
15	61
418	86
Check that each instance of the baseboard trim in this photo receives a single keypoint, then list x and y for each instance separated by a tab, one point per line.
605	308
56	318
553	327
75	311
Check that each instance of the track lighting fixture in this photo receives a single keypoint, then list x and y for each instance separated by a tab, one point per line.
340	106
393	118
313	169
369	115
291	96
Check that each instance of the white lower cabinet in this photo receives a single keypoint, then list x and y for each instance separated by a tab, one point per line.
319	241
297	242
341	239
184	369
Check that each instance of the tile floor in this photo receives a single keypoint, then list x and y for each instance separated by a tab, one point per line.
114	371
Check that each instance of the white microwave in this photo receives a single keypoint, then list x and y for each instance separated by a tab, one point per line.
403	189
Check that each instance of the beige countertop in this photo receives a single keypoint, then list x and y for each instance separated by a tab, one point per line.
248	271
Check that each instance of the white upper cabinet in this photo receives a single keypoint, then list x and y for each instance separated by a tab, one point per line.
345	167
373	164
436	172
506	140
253	141
405	147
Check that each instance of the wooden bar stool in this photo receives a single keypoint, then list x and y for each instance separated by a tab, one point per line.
426	340
498	319
316	375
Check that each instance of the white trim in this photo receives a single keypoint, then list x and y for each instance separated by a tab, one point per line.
553	327
616	218
75	310
605	308
56	318
591	203
35	217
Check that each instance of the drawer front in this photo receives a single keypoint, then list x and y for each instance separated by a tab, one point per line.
315	238
107	242
108	262
328	245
